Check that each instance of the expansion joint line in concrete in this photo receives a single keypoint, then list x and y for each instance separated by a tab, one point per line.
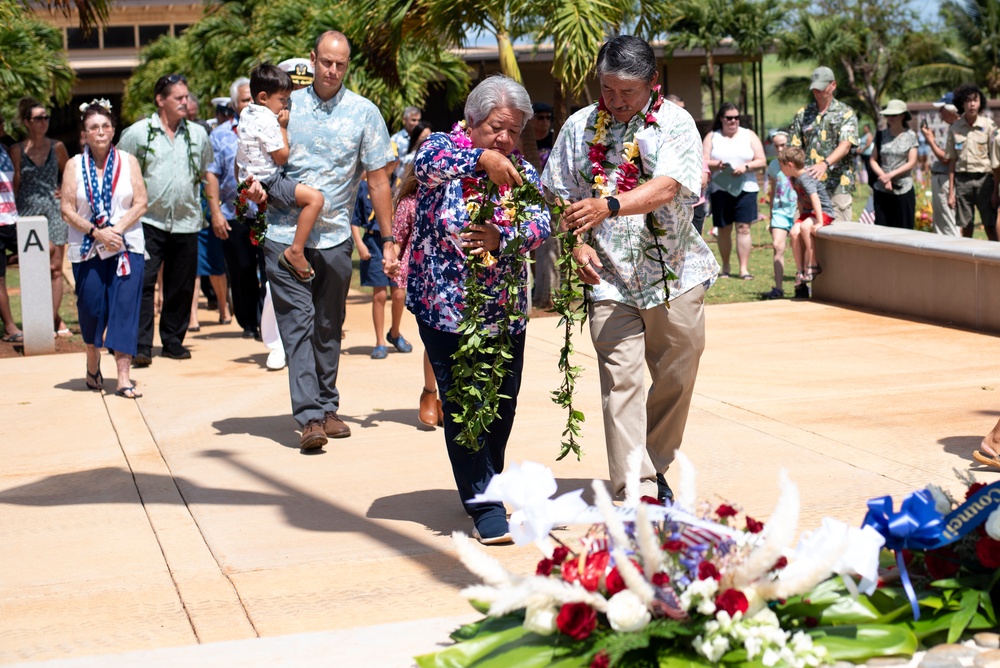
194	521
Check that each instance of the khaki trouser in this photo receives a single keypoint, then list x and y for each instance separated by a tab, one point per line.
843	207
944	215
670	342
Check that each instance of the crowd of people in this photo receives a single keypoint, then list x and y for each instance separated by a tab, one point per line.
297	171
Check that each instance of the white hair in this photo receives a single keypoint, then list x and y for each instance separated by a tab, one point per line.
497	92
234	90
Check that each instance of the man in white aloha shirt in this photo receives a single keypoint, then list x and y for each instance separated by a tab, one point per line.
630	319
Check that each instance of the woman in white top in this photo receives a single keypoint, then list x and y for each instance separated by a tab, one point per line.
103	197
732	154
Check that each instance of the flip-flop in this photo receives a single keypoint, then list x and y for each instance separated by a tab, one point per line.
296	273
14	338
98	380
127	392
986	459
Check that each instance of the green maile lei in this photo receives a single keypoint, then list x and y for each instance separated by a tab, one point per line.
479	364
193	165
569	301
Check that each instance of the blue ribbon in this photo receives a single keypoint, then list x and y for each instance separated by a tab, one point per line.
917	526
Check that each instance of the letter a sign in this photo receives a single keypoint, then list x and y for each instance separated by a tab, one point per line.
36	285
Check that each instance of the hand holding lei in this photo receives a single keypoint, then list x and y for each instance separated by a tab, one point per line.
476	383
258	222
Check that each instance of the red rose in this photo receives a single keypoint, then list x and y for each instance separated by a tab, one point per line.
942	563
661	579
725	510
732	601
650	119
651	500
614	583
571	571
544	567
973	488
673	546
559	554
779	564
601	660
706	570
593	569
988	551
753	526
577	620
811	622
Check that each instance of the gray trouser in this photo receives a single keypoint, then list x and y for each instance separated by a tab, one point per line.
974	191
944	215
310	319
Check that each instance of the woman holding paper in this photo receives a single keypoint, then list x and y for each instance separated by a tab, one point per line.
103	197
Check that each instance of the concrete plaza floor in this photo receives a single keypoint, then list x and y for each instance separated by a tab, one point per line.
188	527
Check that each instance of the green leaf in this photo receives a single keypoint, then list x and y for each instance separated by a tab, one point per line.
967	610
860	643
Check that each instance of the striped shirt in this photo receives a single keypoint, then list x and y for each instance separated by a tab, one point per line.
8	207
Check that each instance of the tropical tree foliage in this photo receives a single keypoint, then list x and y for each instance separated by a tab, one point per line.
234	36
702	25
32	63
976	23
871	47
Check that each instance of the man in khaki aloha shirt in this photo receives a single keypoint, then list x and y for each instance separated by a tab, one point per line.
631	321
827	129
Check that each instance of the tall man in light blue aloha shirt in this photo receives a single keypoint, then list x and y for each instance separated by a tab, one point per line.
630	319
334	135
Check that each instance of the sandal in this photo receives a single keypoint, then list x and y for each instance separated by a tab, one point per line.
128	392
746	277
310	274
98	381
815	270
14	338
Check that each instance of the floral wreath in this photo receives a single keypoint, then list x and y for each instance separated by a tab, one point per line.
100	102
476	385
256	222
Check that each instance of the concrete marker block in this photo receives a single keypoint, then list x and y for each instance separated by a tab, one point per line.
36	285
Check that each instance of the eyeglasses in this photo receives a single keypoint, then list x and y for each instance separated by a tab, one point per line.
40	118
168	80
731	118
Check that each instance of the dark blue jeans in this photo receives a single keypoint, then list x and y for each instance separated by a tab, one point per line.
473	470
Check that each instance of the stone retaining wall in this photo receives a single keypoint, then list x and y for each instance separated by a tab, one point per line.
951	280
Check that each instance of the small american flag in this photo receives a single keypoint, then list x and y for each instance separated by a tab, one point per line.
868	215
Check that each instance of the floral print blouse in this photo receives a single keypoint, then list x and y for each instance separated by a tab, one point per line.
437	265
402	229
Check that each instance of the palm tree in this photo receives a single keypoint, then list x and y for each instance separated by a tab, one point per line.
755	26
870	48
703	24
91	12
32	63
231	38
977	24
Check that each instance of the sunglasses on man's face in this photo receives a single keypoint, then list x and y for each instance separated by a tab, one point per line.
168	80
39	119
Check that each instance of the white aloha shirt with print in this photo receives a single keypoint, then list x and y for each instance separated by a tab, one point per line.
632	273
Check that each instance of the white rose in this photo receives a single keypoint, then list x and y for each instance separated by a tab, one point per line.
993	525
942	503
627	613
541	620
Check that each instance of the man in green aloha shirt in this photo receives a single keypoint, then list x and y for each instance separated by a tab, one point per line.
827	129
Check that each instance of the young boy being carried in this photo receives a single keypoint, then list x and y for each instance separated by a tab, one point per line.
263	149
815	211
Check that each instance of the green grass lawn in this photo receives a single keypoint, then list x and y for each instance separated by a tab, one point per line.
67	309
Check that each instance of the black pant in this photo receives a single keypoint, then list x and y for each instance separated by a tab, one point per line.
178	253
242	262
895	210
473	470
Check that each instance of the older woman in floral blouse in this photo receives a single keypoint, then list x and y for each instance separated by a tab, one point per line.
496	112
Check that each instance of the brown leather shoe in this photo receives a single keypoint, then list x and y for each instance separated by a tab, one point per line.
334	427
312	435
440	414
428	408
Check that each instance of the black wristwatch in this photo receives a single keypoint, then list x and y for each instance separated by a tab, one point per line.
614	206
388	240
